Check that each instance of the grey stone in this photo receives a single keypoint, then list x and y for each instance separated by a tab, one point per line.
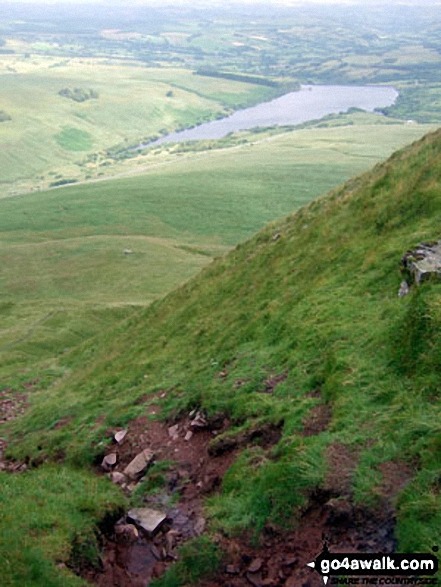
188	436
120	435
199	421
173	432
423	262
147	519
127	251
139	464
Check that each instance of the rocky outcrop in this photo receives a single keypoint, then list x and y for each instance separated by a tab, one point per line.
422	263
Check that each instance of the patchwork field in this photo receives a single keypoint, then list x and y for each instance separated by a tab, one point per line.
48	136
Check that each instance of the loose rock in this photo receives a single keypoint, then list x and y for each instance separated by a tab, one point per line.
118	478
119	436
173	432
255	566
199	421
147	519
139	464
109	461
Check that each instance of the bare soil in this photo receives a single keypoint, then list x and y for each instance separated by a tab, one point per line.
197	464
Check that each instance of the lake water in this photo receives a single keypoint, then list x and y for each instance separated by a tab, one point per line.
310	103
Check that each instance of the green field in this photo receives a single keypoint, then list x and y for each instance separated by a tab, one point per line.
50	136
312	296
64	275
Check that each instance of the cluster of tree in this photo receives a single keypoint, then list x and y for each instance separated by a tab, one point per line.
79	94
4	116
238	77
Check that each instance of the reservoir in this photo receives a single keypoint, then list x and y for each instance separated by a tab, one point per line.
310	103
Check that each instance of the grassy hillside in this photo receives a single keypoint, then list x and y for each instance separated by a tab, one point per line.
311	301
64	275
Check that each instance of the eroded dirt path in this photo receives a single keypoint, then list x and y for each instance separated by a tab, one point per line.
131	558
12	405
196	464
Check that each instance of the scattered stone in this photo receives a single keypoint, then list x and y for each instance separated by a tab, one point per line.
126	532
155	551
118	478
276	237
188	436
173	432
232	570
147	519
404	289
291	561
109	461
255	566
199	421
119	436
254	578
139	464
171	539
127	251
423	262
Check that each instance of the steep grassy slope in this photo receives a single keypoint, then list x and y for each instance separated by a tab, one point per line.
315	297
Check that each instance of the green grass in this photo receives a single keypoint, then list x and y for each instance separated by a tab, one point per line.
64	274
73	139
49	518
319	302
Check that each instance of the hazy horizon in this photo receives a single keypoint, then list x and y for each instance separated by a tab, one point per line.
208	3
